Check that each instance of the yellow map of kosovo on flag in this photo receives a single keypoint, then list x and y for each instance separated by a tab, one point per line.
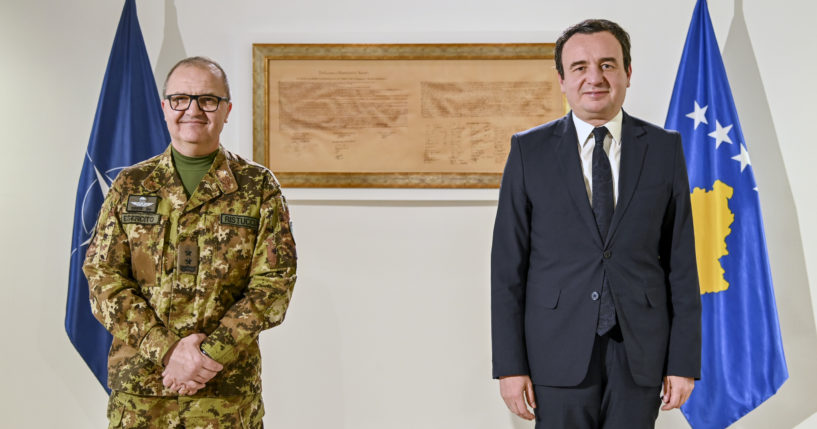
742	359
712	219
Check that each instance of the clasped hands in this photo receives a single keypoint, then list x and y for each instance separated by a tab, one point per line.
187	369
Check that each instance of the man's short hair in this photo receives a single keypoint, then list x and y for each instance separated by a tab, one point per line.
202	62
590	26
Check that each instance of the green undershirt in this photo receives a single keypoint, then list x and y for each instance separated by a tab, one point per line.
192	169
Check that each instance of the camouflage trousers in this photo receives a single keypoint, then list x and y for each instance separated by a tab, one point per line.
184	412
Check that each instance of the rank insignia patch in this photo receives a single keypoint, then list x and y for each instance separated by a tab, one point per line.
188	258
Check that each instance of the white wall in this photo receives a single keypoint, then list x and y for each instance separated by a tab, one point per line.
389	325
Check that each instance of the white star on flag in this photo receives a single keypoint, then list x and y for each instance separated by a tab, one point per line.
699	115
743	158
721	134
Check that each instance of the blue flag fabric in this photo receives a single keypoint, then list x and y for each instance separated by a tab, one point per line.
742	352
128	128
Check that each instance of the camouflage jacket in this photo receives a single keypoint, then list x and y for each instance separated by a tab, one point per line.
162	266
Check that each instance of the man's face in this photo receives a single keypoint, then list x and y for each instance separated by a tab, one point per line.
193	131
595	81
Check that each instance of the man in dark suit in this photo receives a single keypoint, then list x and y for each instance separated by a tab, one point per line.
594	288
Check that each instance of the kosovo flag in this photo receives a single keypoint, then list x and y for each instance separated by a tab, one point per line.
742	352
128	128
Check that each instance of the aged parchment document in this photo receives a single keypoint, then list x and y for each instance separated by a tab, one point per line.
406	116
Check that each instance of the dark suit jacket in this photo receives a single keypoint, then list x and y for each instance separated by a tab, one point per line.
548	258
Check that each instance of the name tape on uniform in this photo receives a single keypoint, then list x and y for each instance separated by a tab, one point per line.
140	218
242	221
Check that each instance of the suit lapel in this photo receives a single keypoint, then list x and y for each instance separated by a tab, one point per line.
567	153
633	150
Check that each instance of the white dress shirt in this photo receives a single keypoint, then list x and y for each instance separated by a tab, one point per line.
612	146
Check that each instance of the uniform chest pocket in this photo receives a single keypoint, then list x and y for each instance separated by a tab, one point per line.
146	238
227	245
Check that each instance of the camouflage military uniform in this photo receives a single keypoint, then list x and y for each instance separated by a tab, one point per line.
162	266
166	412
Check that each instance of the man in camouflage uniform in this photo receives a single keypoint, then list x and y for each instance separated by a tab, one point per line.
185	274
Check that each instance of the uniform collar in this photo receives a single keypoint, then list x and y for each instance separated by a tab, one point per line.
222	172
165	181
219	174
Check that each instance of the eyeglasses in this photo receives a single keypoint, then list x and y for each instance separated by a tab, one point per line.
206	102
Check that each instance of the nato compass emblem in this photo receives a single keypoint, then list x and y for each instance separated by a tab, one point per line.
92	198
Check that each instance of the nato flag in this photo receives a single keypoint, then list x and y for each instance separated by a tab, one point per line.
742	352
128	128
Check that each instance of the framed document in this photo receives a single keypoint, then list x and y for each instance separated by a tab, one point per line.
417	115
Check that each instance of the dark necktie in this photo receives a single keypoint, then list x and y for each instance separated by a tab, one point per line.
603	207
602	184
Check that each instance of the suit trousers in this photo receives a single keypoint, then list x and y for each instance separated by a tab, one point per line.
607	398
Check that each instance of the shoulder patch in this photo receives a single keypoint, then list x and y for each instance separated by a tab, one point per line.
241	221
142	203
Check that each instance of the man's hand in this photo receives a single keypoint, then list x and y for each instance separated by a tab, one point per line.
186	368
517	392
676	391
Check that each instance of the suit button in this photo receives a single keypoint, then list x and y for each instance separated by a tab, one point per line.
594	296
607	254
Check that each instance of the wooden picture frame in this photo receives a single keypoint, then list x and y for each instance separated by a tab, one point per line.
397	115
